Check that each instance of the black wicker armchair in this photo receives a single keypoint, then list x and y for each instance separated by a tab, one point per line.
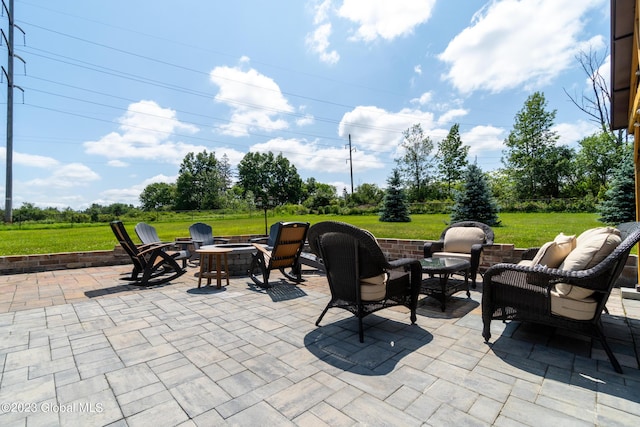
452	244
360	278
526	293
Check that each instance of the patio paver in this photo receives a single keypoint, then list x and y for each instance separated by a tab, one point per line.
82	347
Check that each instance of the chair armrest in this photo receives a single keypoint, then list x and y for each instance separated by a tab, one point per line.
145	249
259	240
220	240
262	248
476	251
539	276
432	247
403	263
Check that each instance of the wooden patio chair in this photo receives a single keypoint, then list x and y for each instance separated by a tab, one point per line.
202	235
289	240
152	264
149	236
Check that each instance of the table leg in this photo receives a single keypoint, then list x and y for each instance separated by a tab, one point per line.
203	261
444	278
226	267
466	282
218	271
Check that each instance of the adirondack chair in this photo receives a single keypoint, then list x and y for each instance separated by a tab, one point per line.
152	264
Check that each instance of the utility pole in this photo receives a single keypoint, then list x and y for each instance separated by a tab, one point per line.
8	208
351	150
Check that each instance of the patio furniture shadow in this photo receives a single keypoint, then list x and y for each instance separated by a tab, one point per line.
566	357
279	291
206	290
385	344
458	306
121	288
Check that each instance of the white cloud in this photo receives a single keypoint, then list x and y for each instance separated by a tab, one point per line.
30	160
481	139
308	119
378	130
255	100
318	42
309	156
145	133
418	69
34	160
450	116
424	99
117	163
571	133
66	176
514	43
322	10
385	19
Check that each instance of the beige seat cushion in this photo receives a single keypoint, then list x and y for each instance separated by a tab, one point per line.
460	239
577	309
373	288
552	254
593	246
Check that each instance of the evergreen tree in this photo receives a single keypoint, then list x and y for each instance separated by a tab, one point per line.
619	203
395	207
475	202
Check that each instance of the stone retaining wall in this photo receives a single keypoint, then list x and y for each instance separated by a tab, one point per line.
393	249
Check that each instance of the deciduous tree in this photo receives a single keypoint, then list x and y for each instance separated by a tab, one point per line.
269	176
529	146
199	184
416	163
157	196
452	157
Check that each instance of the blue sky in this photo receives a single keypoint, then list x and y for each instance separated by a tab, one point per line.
117	92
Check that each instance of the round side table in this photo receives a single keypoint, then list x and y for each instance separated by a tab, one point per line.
206	265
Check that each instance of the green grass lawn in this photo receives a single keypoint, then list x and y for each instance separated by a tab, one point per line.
522	229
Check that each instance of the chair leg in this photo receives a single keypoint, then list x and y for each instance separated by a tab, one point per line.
258	262
360	326
607	349
322	314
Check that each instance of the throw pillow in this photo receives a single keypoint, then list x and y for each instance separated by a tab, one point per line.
593	246
551	254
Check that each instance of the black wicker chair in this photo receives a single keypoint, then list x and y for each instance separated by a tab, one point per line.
437	248
523	292
351	254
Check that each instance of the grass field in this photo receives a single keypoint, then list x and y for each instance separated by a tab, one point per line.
522	229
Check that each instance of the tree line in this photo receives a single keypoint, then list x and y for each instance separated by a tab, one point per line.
536	170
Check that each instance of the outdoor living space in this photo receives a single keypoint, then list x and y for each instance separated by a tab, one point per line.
82	347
